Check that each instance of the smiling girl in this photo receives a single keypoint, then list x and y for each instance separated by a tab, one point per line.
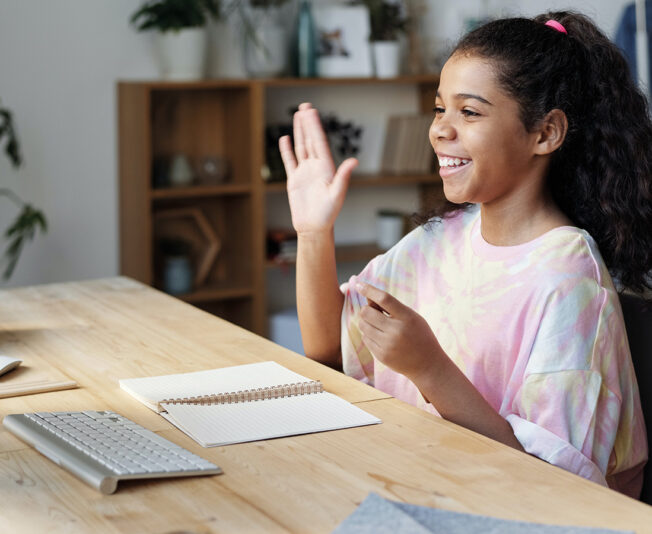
499	312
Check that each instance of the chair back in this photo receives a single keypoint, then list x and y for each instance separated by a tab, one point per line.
638	323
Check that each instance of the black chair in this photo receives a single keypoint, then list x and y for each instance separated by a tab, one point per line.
638	322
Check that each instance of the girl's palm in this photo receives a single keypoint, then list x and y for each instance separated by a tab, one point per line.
316	190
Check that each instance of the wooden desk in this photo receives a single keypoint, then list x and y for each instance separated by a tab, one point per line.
100	331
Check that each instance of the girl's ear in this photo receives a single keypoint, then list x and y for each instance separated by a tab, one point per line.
552	132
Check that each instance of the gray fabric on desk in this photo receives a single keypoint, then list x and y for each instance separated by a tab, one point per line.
376	515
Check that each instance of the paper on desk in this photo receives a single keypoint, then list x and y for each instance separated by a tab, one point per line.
376	515
34	375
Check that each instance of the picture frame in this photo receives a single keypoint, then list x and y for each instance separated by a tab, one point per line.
343	49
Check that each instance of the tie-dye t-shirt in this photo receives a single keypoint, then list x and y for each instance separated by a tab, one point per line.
537	328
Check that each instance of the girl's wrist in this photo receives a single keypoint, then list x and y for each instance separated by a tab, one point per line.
315	235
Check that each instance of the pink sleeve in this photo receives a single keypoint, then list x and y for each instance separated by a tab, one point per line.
577	406
551	448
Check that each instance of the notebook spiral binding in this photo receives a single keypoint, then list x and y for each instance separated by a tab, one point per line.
249	395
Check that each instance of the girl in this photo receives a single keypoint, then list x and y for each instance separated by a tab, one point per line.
499	313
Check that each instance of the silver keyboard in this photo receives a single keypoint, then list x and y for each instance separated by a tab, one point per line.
102	447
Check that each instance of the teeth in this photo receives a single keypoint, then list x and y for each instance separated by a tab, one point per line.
452	162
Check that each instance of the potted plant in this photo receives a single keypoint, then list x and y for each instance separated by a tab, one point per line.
181	27
388	23
29	219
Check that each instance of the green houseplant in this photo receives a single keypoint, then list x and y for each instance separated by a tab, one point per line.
166	15
181	33
386	19
29	219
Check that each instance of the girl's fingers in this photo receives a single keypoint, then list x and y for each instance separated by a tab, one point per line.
383	301
287	154
318	142
299	138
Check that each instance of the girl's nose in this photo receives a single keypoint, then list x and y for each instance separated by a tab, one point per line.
441	129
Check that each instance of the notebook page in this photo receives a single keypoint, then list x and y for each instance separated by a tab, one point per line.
151	390
224	424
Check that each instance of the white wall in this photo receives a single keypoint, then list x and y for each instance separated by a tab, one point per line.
59	61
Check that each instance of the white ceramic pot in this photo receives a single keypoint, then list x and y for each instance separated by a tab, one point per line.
182	54
387	58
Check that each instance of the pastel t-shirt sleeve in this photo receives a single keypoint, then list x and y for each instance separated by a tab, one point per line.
569	408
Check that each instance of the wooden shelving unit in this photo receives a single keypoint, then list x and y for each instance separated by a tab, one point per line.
223	118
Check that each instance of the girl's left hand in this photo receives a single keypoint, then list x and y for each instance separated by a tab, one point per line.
397	335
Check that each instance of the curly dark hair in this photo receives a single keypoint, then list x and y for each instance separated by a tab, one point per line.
601	176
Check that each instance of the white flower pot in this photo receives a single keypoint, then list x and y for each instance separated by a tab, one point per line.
387	58
182	54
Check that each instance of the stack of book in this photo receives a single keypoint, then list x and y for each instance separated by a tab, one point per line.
407	148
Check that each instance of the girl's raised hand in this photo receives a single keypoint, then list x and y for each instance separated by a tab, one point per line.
397	335
316	190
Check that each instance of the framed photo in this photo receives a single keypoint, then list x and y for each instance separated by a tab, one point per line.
343	41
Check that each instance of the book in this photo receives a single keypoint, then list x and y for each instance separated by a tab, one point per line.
406	148
243	403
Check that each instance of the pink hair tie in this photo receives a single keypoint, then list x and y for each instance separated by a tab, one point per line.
557	26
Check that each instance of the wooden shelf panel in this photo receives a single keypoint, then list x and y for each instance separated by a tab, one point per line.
307	82
343	254
200	191
376	180
217	293
218	83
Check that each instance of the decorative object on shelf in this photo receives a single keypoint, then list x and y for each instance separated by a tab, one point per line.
343	34
212	170
191	226
181	38
181	174
387	24
177	267
306	44
344	136
266	39
30	219
390	228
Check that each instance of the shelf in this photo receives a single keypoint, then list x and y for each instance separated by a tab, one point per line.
219	83
307	82
343	254
216	293
200	191
375	180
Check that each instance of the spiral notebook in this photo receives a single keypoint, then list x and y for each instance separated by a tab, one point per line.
245	403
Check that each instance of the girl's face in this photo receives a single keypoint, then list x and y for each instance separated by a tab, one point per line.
485	153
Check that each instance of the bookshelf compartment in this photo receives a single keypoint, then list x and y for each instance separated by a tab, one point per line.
221	254
200	123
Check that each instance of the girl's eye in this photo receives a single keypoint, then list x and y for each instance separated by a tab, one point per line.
469	113
438	110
